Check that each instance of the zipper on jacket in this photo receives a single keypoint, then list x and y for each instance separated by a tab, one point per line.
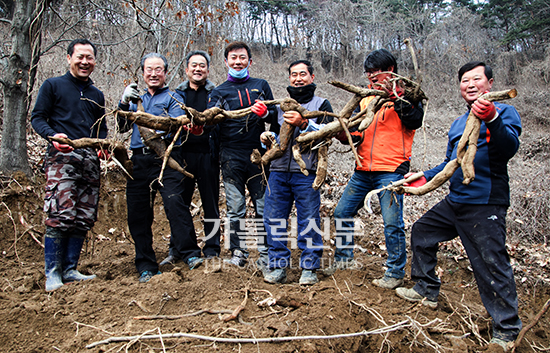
248	95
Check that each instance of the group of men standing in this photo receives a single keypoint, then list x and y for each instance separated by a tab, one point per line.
475	212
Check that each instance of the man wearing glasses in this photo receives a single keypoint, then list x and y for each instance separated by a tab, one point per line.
140	192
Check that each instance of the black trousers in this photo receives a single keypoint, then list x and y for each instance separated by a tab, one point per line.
140	196
207	177
482	230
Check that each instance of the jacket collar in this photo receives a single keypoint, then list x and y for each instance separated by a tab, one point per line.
209	85
77	81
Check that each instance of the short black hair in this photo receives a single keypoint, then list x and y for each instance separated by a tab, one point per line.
154	55
70	48
380	59
197	52
237	45
472	65
298	62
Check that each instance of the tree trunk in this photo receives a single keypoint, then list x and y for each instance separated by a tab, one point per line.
18	83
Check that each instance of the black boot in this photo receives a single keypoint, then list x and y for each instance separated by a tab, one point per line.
70	261
53	258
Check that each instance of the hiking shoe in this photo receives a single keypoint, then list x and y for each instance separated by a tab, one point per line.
278	275
169	260
340	265
506	345
262	265
411	295
238	259
308	277
146	276
388	282
194	262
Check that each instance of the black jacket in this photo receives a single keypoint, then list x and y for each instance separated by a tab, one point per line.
60	108
243	133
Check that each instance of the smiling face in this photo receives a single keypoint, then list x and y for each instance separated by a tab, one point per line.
237	59
197	71
154	74
82	62
474	83
300	76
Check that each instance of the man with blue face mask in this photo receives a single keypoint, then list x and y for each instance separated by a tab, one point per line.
238	137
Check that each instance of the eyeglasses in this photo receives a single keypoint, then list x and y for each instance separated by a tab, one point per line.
157	70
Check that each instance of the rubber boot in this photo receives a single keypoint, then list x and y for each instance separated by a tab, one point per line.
53	257
70	261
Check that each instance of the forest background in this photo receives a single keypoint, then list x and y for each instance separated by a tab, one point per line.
510	35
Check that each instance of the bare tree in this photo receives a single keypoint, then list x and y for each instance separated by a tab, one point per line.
18	82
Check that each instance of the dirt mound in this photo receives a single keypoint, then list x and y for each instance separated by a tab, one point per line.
200	302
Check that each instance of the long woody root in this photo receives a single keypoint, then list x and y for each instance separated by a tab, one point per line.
467	146
154	142
118	149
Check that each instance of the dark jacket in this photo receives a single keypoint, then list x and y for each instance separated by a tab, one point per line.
498	142
243	133
209	140
67	105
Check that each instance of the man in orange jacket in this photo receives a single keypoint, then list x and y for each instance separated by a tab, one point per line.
385	150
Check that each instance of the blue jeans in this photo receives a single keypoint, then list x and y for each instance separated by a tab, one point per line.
285	188
238	172
391	205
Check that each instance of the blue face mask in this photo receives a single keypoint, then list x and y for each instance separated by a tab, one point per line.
237	74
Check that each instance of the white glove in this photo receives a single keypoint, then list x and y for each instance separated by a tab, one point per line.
130	93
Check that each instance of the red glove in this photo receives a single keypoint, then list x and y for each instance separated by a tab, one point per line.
259	108
196	130
389	90
417	183
484	110
103	154
62	147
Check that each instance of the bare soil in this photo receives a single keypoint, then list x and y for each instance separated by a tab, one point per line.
79	314
198	302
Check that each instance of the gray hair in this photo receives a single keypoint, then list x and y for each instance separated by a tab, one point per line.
154	55
197	52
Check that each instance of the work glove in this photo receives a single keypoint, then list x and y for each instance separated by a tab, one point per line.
417	183
196	130
295	119
260	109
62	147
484	110
342	137
391	94
131	93
103	154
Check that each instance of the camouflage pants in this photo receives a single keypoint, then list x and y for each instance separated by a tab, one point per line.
72	188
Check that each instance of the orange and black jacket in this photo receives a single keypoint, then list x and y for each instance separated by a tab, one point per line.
386	144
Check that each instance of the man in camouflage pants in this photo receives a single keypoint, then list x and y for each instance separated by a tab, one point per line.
72	176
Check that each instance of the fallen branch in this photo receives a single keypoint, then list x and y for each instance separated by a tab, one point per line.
382	330
176	317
